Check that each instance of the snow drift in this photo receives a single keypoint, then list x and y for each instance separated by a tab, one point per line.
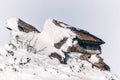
59	52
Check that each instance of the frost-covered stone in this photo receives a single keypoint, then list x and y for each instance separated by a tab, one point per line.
60	51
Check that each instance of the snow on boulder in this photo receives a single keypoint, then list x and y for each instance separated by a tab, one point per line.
56	33
60	52
12	24
17	24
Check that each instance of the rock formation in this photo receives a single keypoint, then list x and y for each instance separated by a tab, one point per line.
21	25
87	45
60	51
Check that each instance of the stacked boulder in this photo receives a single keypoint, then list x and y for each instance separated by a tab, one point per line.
87	44
81	42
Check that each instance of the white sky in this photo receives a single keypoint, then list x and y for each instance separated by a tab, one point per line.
99	17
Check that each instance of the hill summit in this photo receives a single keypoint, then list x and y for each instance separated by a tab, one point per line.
59	52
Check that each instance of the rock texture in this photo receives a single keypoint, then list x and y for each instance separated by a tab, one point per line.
15	23
87	45
25	27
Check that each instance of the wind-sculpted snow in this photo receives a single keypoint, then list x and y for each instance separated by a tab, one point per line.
59	52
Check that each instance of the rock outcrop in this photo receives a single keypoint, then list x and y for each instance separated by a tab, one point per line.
60	51
18	24
87	45
80	41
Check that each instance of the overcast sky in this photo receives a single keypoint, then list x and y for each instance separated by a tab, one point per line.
99	17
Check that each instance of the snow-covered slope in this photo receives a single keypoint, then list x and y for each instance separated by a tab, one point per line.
59	52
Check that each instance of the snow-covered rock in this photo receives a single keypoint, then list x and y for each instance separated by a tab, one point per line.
59	52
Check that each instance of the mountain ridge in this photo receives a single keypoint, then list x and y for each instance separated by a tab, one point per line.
60	52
